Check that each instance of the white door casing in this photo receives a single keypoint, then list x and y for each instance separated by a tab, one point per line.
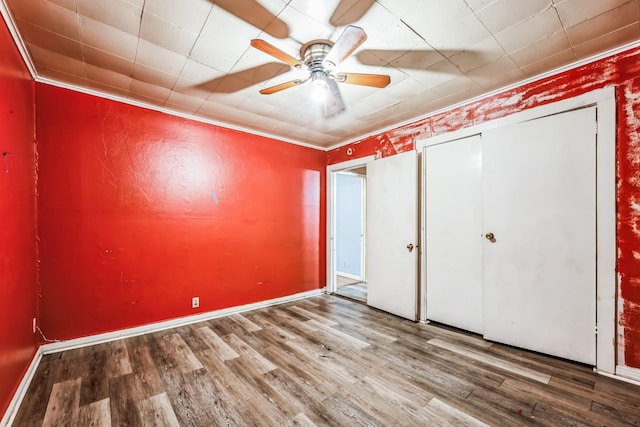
392	226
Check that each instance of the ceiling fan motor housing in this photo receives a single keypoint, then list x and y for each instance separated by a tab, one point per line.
313	54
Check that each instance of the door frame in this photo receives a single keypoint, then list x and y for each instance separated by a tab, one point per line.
606	277
331	216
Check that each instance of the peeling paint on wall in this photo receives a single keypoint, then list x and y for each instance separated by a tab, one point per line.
622	71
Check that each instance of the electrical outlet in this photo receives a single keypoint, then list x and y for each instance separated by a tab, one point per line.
33	326
195	302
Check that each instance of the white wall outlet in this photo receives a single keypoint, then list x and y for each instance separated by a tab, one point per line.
33	325
195	302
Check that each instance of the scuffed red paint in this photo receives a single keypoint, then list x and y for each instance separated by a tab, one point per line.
622	71
139	211
18	262
629	215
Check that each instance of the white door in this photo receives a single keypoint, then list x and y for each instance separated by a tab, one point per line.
539	200
391	234
453	223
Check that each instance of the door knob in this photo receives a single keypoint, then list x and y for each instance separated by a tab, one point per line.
490	237
410	247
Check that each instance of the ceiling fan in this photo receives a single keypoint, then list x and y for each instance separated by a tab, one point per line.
319	58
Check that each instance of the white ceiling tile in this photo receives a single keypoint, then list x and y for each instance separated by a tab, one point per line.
492	73
436	74
108	89
504	13
385	30
199	73
67	4
432	17
319	11
302	29
38	36
478	5
159	58
54	18
58	75
116	13
162	33
108	77
573	12
541	49
184	103
458	84
149	90
224	29
207	52
601	44
56	61
605	23
260	14
104	37
477	55
551	62
153	76
459	36
529	31
189	15
102	59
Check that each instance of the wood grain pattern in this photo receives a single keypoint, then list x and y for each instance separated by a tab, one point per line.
317	362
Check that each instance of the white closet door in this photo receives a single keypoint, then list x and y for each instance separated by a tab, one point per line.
391	234
539	199
453	200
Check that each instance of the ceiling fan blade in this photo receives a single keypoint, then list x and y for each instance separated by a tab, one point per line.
270	49
349	40
252	12
281	86
373	80
334	103
349	11
234	82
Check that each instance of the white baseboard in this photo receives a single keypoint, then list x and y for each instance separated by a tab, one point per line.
168	324
15	403
628	374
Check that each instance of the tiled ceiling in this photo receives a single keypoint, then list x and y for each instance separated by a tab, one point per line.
194	56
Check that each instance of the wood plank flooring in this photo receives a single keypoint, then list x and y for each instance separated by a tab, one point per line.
356	291
320	361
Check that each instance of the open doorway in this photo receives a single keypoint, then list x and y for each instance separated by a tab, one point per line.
346	217
350	208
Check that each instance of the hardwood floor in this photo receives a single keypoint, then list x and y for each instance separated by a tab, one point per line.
356	291
319	361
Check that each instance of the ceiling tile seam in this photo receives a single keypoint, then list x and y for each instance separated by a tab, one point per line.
82	45
564	28
188	56
511	86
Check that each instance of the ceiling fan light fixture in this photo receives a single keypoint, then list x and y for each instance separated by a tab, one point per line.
319	86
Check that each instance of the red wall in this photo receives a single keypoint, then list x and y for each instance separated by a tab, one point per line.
623	72
139	211
18	280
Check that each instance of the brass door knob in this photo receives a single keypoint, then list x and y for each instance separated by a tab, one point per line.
490	237
410	247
